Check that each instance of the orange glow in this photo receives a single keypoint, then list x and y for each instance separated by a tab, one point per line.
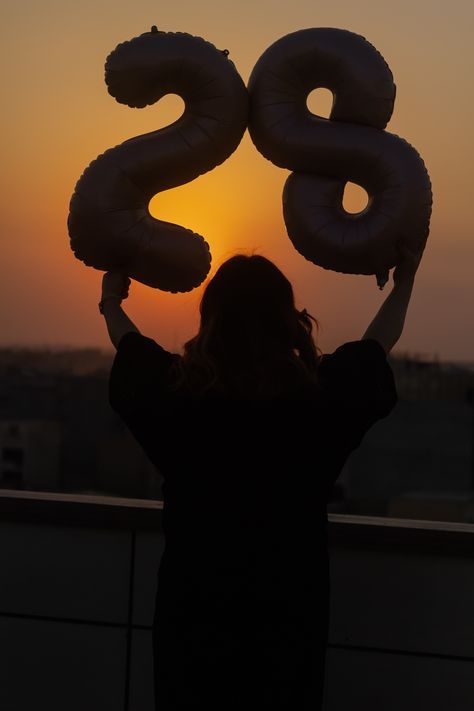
355	198
58	116
319	102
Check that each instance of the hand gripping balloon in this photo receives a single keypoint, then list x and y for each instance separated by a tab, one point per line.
109	223
349	146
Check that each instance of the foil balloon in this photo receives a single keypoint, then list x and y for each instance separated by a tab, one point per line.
109	224
350	145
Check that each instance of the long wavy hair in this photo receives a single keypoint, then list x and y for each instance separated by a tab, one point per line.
252	340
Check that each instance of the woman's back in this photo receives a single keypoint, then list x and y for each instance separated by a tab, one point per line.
243	583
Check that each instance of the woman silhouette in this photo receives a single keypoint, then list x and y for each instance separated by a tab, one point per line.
250	429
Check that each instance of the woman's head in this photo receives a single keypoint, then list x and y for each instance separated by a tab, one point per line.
249	332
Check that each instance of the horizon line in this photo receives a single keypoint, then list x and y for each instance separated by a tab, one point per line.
68	348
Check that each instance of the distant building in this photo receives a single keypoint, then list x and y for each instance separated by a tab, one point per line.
418	460
64	422
29	454
419	379
68	361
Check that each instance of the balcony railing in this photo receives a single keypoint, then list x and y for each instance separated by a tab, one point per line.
77	599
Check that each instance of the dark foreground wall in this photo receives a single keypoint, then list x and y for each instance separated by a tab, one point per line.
78	578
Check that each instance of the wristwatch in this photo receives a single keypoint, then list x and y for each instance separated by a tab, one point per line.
106	298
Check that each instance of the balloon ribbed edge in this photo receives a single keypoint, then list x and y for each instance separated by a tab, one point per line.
224	53
337	30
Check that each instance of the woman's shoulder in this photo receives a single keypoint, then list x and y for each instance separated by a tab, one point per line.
363	350
359	374
136	350
140	367
353	359
134	340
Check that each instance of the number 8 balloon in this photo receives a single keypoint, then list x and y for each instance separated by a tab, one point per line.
349	146
109	223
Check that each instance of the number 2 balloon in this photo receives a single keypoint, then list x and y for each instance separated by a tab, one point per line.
109	223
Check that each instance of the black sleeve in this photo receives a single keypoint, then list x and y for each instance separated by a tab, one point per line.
139	371
360	383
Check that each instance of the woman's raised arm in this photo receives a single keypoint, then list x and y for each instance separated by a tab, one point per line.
387	326
114	289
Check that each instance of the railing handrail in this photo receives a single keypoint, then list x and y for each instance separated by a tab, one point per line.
155	505
424	524
99	499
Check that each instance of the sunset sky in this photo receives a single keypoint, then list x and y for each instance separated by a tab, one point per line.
58	116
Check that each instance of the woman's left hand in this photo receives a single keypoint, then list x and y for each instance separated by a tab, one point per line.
115	283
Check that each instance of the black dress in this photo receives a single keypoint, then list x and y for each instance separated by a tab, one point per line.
242	602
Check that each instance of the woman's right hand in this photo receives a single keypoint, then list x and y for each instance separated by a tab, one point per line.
115	283
406	268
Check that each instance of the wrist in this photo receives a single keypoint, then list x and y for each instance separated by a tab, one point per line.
110	301
110	295
405	283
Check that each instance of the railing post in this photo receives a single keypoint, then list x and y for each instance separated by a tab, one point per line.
128	657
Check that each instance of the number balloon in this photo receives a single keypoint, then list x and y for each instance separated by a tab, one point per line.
349	146
109	223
